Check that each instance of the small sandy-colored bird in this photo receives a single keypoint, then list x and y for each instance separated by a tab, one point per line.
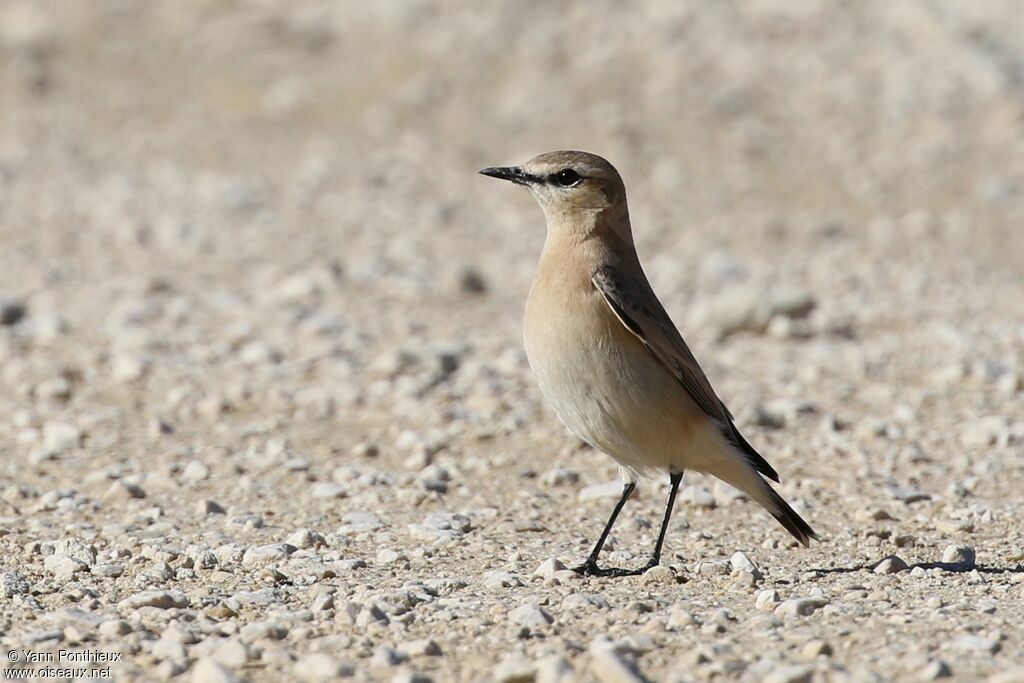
608	358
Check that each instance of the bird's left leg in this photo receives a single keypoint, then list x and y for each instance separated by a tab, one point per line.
674	479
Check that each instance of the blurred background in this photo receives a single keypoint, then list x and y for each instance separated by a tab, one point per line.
241	154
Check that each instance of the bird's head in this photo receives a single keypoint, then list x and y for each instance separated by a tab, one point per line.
568	183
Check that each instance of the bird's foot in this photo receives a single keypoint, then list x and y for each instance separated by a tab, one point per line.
590	568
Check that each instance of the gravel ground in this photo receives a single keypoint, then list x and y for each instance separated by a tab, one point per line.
264	408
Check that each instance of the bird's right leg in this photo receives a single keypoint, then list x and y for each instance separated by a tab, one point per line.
590	568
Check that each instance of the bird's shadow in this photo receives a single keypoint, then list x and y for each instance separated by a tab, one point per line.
952	567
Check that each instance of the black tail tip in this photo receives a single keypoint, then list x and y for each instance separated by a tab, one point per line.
793	523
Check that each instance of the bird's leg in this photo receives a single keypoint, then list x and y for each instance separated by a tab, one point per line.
590	568
674	479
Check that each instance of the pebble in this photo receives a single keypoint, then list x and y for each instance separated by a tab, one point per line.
385	655
789	674
206	670
59	437
232	652
697	496
423	647
515	668
960	555
609	665
267	554
411	677
13	582
306	538
501	579
209	507
984	431
934	670
155	598
767	599
64	567
971	643
816	648
560	476
441	527
531	616
800	606
328	489
320	666
121	491
549	568
741	563
890	565
603	491
11	312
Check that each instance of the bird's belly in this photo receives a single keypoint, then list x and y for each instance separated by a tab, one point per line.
612	393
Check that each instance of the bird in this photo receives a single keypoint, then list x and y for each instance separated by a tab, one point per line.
610	361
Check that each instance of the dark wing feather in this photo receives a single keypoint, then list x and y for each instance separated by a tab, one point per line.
635	305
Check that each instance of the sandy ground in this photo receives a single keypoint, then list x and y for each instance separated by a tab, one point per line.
264	409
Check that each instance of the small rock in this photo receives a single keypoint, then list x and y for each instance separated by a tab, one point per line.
531	616
800	606
609	489
472	282
767	599
267	554
121	490
659	574
934	670
549	567
741	563
13	583
789	674
11	312
328	489
972	643
63	566
206	670
501	579
559	476
306	538
158	599
320	666
816	648
905	494
984	431
209	507
114	628
59	437
515	668
232	652
697	496
262	630
385	655
791	302
195	471
554	669
961	555
679	618
608	665
890	565
424	647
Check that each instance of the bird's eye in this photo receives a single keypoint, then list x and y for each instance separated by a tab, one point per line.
566	178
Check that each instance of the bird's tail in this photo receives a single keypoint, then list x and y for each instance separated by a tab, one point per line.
788	517
748	480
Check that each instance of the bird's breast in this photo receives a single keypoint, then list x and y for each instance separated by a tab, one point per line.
592	371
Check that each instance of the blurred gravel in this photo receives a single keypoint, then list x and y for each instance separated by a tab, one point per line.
264	410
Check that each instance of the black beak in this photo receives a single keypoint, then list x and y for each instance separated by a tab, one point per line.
513	173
